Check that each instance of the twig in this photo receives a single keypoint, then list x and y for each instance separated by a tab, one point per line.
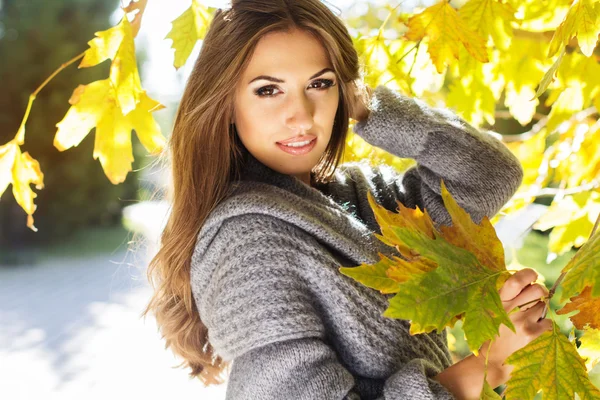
551	192
505	114
20	136
577	117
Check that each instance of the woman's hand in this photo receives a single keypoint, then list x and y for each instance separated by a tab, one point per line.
359	109
529	323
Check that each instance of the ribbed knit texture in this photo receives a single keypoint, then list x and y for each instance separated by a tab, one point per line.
265	275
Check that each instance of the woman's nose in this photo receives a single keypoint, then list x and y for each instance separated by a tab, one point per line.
300	117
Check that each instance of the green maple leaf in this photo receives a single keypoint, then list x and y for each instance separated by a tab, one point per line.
549	363
460	284
583	270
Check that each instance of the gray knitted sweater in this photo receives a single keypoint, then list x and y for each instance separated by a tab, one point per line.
265	275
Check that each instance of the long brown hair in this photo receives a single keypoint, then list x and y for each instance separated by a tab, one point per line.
206	157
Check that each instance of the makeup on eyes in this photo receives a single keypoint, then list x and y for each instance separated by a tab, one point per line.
328	83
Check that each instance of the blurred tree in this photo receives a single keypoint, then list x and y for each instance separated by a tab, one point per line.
36	37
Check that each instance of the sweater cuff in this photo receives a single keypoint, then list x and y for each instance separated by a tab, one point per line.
400	124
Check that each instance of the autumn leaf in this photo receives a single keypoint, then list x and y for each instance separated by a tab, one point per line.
96	105
549	363
445	30
137	6
588	309
583	270
405	217
549	75
187	29
460	284
450	282
490	18
20	170
480	240
374	275
117	44
583	21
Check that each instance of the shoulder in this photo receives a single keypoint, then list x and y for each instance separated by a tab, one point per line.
257	293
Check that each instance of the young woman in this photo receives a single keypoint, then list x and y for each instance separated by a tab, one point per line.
263	216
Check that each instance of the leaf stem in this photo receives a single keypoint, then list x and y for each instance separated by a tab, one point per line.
20	136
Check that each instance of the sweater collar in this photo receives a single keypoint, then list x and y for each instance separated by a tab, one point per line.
254	170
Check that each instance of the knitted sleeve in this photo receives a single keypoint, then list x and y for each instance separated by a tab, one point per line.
262	314
308	369
479	170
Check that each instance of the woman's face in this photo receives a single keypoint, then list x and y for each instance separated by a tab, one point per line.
288	90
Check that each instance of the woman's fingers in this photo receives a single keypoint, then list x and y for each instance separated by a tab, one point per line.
519	280
526	299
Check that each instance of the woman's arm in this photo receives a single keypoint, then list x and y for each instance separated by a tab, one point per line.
261	313
479	171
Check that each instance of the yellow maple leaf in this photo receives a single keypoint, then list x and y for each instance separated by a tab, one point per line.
187	29
140	7
490	18
549	363
117	44
20	170
95	105
583	21
445	30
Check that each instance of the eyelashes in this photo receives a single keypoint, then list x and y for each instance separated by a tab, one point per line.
265	90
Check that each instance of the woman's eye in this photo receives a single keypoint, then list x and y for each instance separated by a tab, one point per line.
327	83
267	91
261	92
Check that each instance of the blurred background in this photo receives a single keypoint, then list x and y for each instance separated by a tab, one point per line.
71	294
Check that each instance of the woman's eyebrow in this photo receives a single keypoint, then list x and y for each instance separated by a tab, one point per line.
273	79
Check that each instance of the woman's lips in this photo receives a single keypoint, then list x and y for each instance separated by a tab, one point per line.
302	138
298	151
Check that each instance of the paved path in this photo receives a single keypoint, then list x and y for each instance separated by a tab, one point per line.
70	329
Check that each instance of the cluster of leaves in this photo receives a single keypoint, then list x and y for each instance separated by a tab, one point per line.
455	272
113	106
531	62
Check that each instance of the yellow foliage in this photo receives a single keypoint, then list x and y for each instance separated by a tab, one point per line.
490	18
583	21
96	105
188	28
20	170
117	44
445	30
572	218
